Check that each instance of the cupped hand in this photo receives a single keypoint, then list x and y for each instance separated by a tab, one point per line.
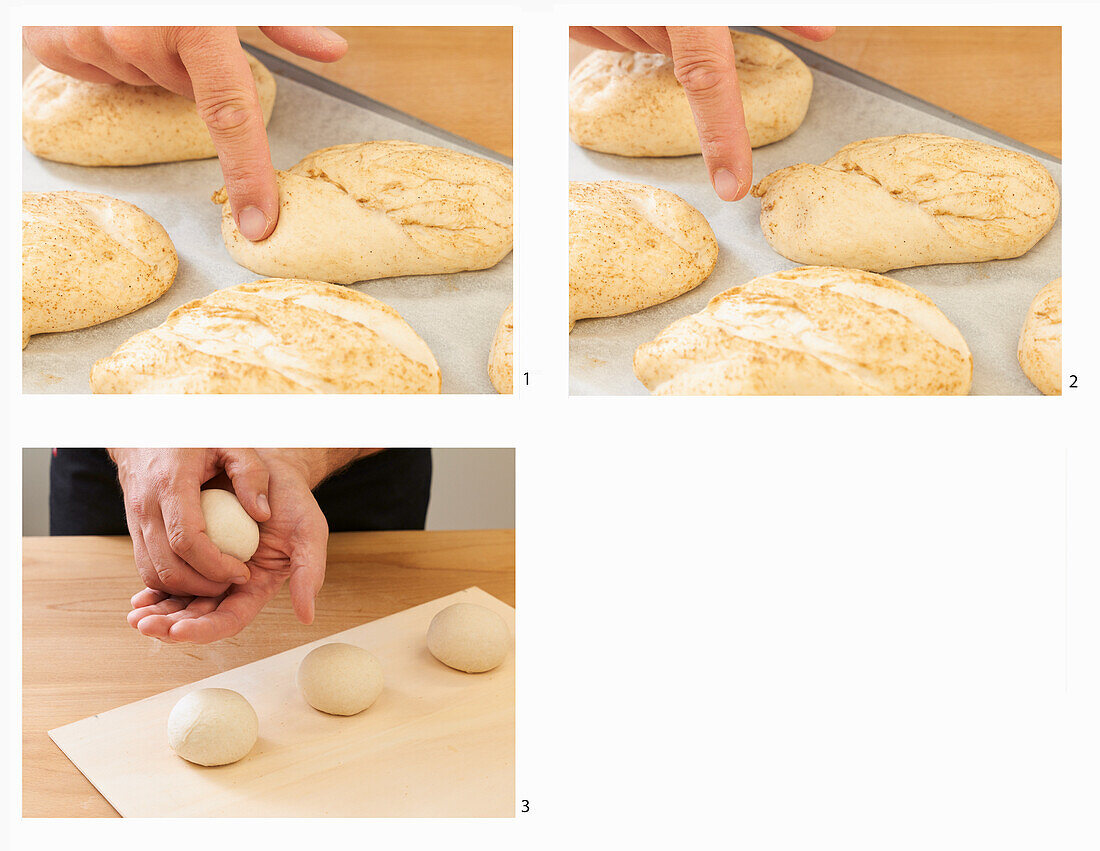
207	65
292	546
703	60
161	494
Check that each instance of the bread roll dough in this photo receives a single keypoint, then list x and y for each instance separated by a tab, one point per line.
1040	349
88	259
110	124
340	679
228	525
631	104
380	209
212	726
911	200
500	356
468	637
632	246
813	331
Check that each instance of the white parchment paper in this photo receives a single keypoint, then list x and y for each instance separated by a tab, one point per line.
456	315
986	301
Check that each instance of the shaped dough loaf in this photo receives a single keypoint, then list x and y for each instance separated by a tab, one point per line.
813	331
631	104
913	200
102	124
500	356
88	259
381	209
1040	350
632	246
274	336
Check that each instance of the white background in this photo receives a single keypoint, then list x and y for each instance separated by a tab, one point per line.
744	623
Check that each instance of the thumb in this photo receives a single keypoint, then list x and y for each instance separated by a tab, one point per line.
225	94
250	480
307	573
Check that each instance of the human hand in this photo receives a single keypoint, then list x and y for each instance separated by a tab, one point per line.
161	495
293	545
703	60
207	65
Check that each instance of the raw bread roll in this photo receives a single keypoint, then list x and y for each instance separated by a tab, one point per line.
212	726
912	200
1040	350
74	121
88	259
381	209
633	246
274	336
814	331
468	637
631	104
500	356
228	526
340	679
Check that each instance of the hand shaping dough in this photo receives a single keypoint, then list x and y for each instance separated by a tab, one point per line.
340	679
814	331
381	209
212	726
912	200
468	637
228	525
500	356
1040	350
632	246
103	124
631	104
88	259
274	336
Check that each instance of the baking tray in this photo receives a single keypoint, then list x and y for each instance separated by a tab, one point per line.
456	314
987	301
436	743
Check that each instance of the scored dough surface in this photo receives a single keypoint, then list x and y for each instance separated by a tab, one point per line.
500	355
1040	349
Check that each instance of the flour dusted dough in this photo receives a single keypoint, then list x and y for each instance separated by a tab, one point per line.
380	209
102	124
631	104
632	246
468	637
212	726
340	679
500	356
813	331
274	336
912	200
88	259
228	525
1040	349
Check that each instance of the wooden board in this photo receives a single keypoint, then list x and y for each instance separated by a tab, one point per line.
437	742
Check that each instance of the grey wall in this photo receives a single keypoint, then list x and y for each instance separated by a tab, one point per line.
471	489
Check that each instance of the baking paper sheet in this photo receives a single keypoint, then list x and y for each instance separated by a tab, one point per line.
456	315
986	301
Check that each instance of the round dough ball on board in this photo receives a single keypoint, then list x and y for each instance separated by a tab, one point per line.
468	637
1040	350
340	679
212	726
228	525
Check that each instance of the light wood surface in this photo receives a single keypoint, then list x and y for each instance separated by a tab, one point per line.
1008	79
437	743
80	657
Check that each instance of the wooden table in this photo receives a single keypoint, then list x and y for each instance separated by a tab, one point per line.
80	657
1008	79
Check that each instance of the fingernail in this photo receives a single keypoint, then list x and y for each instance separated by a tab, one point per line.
330	36
252	223
261	501
726	185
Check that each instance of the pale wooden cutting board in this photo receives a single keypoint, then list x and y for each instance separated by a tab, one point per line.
437	742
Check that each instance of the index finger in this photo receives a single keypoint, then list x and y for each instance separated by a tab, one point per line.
704	64
185	525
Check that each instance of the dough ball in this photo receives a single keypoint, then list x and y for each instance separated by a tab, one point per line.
340	679
228	524
212	726
1040	350
468	638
